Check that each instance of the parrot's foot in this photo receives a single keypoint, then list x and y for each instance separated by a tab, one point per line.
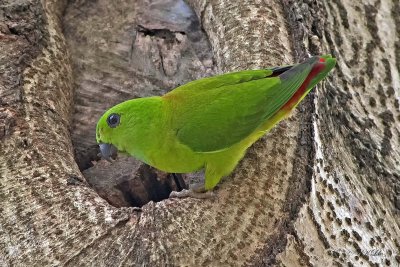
197	187
192	193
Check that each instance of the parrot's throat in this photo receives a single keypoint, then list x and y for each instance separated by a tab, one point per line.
318	68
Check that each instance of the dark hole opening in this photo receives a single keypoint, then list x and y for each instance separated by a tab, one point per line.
129	182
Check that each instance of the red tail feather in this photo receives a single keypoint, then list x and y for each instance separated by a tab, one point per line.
303	88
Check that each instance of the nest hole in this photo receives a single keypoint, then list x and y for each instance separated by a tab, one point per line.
128	182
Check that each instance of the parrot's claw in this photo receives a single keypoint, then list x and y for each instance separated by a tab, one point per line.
190	193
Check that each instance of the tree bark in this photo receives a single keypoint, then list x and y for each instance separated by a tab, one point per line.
321	189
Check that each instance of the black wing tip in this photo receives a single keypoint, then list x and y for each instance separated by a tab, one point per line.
276	71
307	64
279	70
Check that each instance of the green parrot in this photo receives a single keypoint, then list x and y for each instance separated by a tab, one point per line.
208	123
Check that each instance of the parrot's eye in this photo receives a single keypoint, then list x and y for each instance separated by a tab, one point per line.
113	120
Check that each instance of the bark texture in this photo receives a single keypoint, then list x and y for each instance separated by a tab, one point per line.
353	204
322	188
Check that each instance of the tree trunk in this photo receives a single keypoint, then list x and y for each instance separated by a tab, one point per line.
321	189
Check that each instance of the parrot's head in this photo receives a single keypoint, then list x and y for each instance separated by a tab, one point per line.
112	127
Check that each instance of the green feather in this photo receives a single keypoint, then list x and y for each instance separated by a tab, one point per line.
214	120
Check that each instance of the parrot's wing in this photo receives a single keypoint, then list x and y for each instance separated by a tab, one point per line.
232	78
214	120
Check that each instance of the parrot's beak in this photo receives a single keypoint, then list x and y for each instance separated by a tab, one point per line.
107	151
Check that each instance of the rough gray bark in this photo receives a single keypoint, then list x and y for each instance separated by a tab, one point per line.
355	184
322	188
